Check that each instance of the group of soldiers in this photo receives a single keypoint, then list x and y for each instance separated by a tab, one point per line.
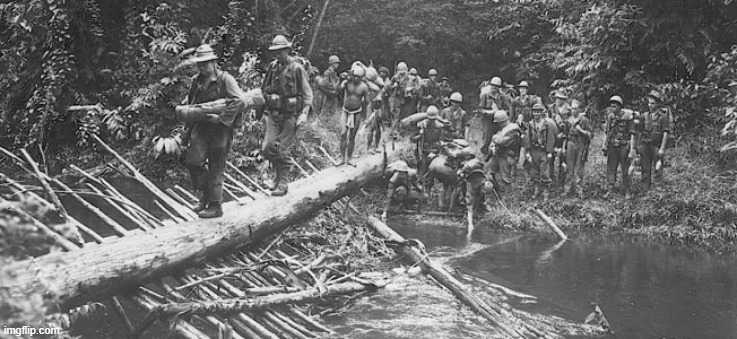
518	130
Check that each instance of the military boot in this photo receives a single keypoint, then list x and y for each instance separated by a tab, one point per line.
277	179
214	210
201	205
281	186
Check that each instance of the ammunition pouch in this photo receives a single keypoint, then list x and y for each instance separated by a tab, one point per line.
284	105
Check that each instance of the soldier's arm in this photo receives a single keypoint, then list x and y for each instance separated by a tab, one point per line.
550	137
305	90
666	131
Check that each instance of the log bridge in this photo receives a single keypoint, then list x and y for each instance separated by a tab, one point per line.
150	264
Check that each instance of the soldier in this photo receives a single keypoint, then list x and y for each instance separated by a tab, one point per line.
620	142
445	91
211	139
386	111
578	133
329	87
411	94
288	96
401	176
428	138
522	104
429	93
457	116
522	112
559	111
356	96
657	124
541	135
399	90
491	100
504	148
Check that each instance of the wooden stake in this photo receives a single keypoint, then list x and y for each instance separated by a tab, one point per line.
248	178
118	307
550	223
166	200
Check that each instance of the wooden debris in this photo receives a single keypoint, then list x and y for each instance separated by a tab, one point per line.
491	313
550	223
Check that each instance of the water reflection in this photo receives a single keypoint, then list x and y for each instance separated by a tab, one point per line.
646	290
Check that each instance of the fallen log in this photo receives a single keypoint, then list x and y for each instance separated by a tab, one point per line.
99	271
440	275
545	218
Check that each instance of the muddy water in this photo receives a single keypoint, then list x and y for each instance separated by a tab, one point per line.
645	290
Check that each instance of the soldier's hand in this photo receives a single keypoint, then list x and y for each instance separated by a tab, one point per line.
302	119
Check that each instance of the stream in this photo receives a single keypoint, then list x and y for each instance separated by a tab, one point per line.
645	290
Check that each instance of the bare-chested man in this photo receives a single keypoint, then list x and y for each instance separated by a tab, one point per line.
356	96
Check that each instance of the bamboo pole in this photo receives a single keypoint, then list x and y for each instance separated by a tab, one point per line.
186	193
131	205
136	221
19	189
248	178
118	228
243	187
118	307
45	184
550	223
62	241
166	200
179	198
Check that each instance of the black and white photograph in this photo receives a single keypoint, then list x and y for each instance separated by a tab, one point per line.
399	169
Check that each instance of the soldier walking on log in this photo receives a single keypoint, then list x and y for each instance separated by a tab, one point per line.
211	138
356	96
288	96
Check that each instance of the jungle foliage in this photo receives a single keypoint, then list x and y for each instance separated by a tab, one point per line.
128	56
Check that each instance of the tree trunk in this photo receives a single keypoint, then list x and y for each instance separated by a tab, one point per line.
509	327
100	271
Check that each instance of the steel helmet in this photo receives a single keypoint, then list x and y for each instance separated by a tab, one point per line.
333	59
358	71
561	95
457	97
655	95
617	99
432	72
280	42
432	112
413	71
496	81
402	67
204	53
500	116
523	84
383	69
538	108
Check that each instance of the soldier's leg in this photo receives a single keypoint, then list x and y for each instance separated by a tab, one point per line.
572	159
270	146
545	179
343	121
612	162
625	161
219	141
647	157
580	170
551	166
536	169
287	130
195	162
